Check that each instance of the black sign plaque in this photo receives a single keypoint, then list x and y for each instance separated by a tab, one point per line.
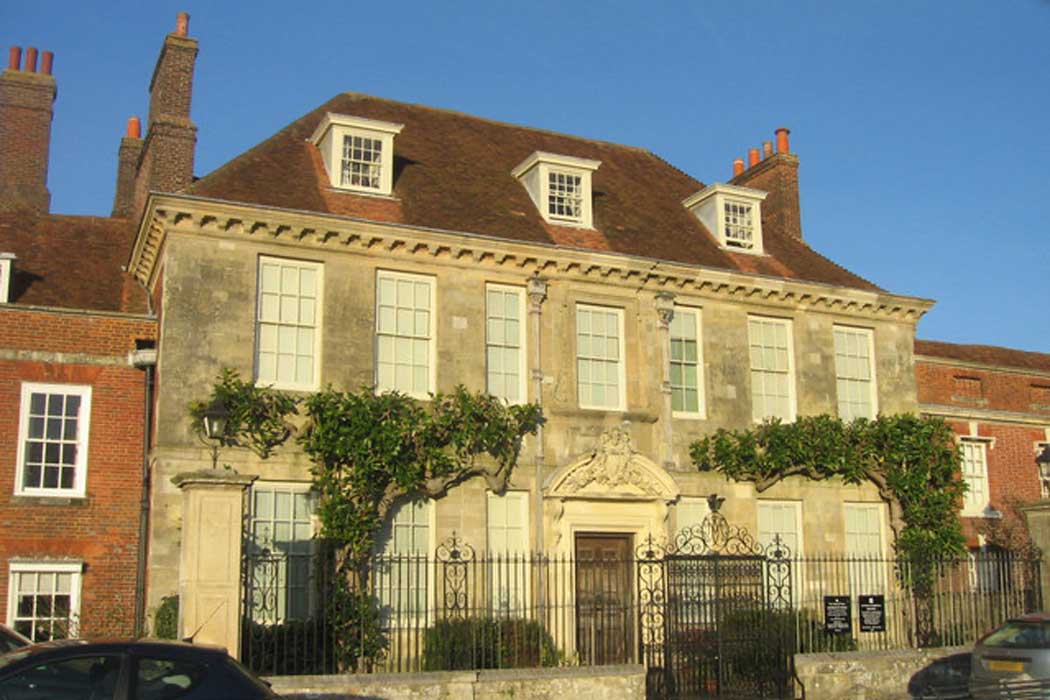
872	613
837	614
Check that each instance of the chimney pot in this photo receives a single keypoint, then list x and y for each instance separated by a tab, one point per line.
782	140
738	166
31	59
14	58
752	157
767	149
47	59
182	24
134	130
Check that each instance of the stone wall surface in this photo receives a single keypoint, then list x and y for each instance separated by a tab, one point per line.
880	675
580	683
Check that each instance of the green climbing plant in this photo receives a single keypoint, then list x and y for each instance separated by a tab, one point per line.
914	462
369	451
258	416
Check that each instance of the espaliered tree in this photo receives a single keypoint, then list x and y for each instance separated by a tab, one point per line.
914	463
368	451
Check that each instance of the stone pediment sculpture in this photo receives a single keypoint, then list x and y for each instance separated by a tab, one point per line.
614	470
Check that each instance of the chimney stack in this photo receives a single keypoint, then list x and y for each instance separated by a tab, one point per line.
738	167
127	166
777	175
166	161
26	102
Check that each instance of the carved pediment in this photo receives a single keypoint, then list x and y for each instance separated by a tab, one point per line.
614	470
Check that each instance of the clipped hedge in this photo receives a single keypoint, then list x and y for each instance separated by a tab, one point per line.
485	642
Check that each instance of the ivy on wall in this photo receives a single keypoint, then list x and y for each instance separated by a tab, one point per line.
913	461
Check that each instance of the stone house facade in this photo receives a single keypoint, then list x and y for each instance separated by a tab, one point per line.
377	243
997	400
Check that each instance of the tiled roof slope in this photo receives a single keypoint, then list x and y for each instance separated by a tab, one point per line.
453	171
71	262
984	354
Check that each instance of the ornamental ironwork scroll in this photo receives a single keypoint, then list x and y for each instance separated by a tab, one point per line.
454	558
705	578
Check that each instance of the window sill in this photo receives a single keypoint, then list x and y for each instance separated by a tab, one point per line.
57	500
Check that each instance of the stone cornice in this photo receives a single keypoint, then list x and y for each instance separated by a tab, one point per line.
1005	369
989	415
321	232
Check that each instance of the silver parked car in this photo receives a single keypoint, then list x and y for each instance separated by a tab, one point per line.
1013	660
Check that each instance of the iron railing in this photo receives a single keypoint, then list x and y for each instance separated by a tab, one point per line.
928	602
461	609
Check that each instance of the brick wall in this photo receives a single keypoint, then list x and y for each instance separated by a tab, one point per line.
1003	405
100	529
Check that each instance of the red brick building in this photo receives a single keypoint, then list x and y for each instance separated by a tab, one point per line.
76	359
998	401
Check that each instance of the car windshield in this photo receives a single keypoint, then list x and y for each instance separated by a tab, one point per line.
1020	635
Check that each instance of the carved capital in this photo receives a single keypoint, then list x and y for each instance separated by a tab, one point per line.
536	289
665	308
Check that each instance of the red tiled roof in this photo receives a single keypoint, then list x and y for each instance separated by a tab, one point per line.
984	354
453	171
71	262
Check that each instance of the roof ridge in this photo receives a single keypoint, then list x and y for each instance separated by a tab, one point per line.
499	122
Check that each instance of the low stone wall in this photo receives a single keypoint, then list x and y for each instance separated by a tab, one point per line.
575	683
881	675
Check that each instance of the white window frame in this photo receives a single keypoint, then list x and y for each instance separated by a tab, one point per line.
1044	485
509	570
868	336
695	315
19	567
793	553
6	260
535	173
970	508
866	578
79	487
796	506
292	488
709	206
330	136
431	338
424	565
519	294
318	269
621	401
792	398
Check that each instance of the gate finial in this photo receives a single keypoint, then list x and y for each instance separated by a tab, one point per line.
714	502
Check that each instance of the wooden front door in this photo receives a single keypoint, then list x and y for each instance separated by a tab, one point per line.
604	619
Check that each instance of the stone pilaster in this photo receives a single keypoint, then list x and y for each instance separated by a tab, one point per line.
210	556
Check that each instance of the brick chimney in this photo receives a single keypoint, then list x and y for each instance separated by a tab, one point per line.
777	174
26	99
166	163
127	167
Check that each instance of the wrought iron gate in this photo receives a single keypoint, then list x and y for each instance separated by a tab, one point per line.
716	613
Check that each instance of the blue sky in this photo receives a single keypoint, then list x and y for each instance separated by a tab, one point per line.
922	127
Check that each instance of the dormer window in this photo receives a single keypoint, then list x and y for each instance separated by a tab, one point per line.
733	214
358	153
560	187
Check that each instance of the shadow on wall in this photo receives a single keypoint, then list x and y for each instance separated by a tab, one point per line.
944	679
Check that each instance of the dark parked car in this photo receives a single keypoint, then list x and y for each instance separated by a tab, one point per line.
139	670
9	639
